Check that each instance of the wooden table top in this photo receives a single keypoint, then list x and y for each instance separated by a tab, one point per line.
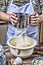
38	51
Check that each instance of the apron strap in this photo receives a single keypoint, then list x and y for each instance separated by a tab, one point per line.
30	1
11	1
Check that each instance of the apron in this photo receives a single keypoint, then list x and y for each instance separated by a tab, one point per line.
32	31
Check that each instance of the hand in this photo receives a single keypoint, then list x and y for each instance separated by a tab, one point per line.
13	19
34	19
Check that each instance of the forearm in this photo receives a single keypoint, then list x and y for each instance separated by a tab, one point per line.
41	18
4	16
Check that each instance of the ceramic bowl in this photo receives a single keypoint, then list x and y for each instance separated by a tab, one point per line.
19	51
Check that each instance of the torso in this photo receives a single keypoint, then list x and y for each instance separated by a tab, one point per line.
24	8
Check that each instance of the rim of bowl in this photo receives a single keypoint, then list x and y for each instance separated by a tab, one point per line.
23	48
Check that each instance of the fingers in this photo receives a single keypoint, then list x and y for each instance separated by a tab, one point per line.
34	13
34	22
36	16
13	19
34	19
14	22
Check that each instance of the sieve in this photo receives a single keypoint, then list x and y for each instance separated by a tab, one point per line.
22	23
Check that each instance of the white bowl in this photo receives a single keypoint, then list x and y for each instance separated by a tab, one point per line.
37	59
22	52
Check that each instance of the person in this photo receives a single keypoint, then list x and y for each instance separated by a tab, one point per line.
32	30
27	8
7	17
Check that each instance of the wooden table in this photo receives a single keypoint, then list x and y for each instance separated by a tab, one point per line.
38	51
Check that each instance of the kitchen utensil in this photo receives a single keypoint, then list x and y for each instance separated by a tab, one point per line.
38	60
22	51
